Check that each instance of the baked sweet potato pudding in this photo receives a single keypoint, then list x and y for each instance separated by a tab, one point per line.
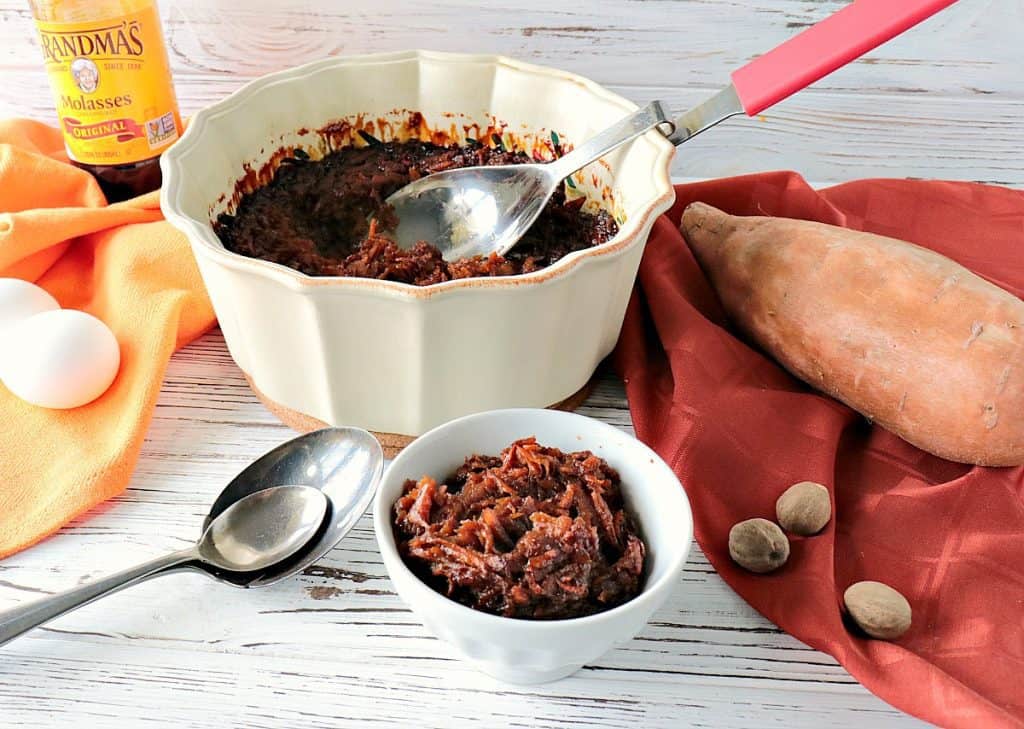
328	217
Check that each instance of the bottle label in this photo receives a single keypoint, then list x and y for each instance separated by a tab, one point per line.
112	84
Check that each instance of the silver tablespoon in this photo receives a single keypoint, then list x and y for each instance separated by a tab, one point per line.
344	464
252	534
482	210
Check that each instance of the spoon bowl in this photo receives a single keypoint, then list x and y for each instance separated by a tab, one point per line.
345	463
263	529
474	210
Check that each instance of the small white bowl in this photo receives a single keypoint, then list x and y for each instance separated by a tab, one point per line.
537	651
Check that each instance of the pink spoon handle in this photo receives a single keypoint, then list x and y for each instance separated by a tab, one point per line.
824	47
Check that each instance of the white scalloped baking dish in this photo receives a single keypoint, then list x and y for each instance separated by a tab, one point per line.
388	356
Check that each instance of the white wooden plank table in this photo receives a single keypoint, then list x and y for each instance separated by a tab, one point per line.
336	646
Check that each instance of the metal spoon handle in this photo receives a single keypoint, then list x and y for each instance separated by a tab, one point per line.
705	115
618	134
18	620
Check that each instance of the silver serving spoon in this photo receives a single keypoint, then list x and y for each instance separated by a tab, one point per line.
257	532
483	210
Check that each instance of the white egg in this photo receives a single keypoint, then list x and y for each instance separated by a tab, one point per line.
21	299
59	359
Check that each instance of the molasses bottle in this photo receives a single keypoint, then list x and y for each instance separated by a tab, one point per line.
111	81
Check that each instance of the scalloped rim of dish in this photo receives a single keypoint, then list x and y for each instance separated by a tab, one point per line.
172	165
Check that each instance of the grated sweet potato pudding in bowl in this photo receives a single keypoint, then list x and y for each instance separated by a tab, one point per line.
531	533
538	556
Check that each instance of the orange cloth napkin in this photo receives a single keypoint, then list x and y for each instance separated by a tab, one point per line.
121	263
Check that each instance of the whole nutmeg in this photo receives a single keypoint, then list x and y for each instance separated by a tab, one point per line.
804	508
877	609
758	545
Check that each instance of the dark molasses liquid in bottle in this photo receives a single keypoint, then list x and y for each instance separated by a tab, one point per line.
111	82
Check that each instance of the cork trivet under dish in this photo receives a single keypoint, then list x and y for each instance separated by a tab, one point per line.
392	443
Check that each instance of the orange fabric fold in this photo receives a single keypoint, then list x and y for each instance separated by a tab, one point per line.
123	264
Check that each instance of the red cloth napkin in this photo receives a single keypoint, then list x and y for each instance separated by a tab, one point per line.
737	430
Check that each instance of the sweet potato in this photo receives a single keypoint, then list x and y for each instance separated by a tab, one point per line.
905	336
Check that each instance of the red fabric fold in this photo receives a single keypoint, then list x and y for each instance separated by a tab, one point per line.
737	429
